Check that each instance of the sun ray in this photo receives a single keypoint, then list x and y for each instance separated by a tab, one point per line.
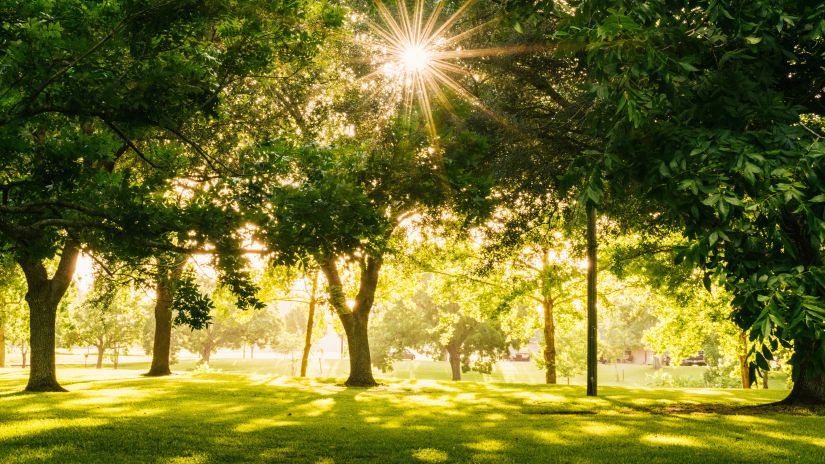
419	15
451	20
417	54
479	52
470	32
427	30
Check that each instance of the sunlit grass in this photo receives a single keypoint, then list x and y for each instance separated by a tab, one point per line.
627	375
119	416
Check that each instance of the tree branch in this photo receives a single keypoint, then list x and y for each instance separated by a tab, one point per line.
129	142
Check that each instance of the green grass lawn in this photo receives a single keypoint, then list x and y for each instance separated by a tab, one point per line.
118	416
625	375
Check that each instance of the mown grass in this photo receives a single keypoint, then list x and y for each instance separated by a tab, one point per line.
118	416
625	375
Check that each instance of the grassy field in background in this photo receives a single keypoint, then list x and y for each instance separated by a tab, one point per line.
119	416
629	375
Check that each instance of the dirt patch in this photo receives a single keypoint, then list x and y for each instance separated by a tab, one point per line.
727	410
558	412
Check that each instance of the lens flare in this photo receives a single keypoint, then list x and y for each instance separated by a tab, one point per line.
421	57
415	58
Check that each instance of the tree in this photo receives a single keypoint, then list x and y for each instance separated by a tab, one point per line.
438	304
299	284
542	264
12	310
470	341
83	173
168	275
341	208
312	304
736	165
105	319
230	326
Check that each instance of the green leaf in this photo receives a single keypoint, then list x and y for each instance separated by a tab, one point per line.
753	40
688	67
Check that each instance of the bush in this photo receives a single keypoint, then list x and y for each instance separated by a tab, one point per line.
722	376
660	379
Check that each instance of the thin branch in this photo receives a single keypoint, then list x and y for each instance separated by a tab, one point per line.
200	151
88	52
480	281
129	142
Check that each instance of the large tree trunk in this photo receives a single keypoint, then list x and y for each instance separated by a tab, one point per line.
454	356
100	351
310	324
807	389
809	383
165	295
549	342
43	314
355	320
360	363
208	345
206	354
43	296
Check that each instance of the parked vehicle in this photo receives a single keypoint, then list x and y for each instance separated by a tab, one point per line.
696	360
406	354
520	356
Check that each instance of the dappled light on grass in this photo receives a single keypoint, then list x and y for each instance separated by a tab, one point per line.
317	407
24	428
430	455
259	424
602	429
488	445
548	437
779	436
275	419
197	458
671	440
750	420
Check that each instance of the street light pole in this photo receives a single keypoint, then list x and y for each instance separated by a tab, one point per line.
592	321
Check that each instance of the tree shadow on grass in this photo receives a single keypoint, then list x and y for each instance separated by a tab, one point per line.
721	409
215	418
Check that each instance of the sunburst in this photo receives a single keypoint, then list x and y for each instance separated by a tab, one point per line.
421	55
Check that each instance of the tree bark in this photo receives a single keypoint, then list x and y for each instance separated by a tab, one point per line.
2	346
310	324
360	363
592	321
206	354
165	295
355	320
744	371
808	389
549	342
43	296
809	382
454	356
99	364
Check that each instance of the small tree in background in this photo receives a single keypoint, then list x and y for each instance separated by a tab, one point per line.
105	319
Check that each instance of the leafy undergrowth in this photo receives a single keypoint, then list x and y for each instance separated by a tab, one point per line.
118	416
